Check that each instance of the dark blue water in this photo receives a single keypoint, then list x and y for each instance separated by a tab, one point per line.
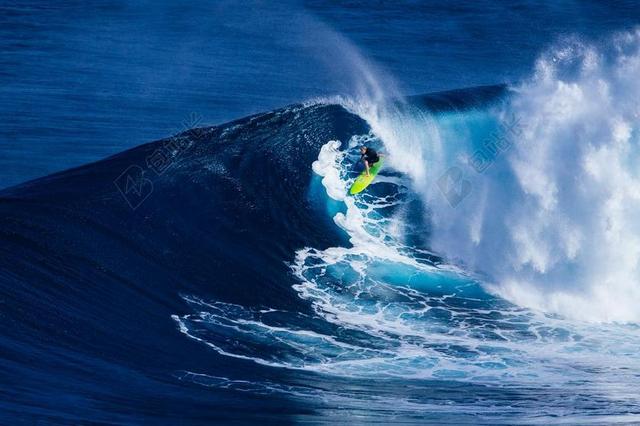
82	80
220	275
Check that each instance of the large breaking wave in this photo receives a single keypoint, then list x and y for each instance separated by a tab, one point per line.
225	267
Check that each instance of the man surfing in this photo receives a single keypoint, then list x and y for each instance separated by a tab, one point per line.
372	164
369	157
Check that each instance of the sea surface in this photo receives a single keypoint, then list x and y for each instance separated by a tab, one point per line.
177	246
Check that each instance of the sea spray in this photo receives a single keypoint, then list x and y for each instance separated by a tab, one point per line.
552	218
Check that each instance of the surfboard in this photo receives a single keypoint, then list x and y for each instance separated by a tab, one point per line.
363	180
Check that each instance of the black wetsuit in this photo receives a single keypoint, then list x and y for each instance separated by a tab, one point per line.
371	156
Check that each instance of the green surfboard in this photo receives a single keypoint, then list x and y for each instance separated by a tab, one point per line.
363	180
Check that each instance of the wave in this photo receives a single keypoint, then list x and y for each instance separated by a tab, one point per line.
225	265
385	308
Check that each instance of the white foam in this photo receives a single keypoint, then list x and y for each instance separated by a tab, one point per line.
325	166
566	214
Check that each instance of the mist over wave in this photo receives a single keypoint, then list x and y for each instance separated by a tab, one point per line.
538	192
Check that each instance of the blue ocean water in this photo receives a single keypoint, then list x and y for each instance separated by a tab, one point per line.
221	275
83	80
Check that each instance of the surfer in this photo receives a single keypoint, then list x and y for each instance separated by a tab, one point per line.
369	157
372	164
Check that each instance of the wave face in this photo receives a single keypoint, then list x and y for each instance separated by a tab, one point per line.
222	274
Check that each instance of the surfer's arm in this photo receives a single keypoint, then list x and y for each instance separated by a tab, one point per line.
366	166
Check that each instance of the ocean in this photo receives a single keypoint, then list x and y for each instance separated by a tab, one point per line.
177	245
